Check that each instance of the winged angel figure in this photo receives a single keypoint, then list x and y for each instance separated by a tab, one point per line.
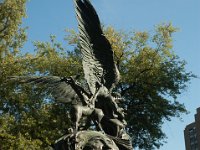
101	74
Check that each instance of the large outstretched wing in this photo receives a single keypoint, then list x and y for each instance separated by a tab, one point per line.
60	90
98	61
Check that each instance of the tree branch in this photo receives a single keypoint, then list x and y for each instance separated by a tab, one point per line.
4	28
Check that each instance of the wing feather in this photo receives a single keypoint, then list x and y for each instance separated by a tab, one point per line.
59	89
98	61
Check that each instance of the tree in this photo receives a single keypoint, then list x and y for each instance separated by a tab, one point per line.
151	78
12	36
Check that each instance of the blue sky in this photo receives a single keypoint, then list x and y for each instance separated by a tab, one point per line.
47	17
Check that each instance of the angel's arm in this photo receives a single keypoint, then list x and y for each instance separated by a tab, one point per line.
78	89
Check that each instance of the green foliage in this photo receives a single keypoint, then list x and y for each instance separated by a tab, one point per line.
152	77
12	36
50	54
10	141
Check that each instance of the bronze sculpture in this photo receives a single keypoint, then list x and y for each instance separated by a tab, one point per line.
100	103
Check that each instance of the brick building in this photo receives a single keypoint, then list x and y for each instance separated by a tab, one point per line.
192	133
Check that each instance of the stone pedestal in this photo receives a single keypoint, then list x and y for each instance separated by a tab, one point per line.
91	140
